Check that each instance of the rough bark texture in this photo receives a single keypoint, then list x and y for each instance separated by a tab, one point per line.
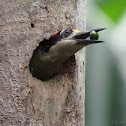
25	100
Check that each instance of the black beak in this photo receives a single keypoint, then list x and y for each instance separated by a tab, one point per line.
81	37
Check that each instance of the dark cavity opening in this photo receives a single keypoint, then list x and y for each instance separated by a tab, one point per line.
32	25
37	62
42	69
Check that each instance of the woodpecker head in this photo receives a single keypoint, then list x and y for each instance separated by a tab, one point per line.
50	54
73	34
68	41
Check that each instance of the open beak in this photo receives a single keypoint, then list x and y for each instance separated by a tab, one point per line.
81	36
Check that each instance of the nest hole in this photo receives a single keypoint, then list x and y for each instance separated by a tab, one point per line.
35	67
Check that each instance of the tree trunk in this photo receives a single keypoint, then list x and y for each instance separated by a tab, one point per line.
25	100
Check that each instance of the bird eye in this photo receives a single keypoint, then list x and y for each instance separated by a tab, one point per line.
65	33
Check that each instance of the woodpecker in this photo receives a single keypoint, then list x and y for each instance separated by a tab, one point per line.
50	54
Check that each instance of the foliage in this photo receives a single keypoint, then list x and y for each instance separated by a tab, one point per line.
114	9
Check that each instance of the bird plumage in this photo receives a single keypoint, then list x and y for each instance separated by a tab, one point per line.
50	54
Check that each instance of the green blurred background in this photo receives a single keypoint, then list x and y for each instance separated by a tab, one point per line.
106	64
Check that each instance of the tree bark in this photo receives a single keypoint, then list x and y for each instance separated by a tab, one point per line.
25	100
